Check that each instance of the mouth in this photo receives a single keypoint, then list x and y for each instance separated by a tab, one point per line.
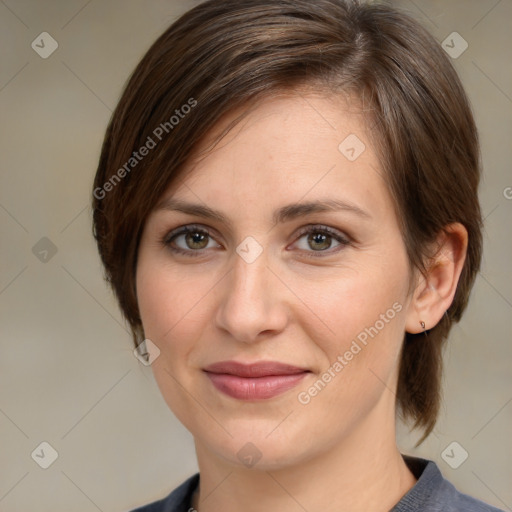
257	381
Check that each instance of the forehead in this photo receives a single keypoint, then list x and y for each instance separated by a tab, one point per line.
292	146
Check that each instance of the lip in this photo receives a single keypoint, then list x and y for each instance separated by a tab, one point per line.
257	381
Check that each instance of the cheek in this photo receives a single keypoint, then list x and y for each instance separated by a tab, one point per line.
365	313
360	302
170	307
174	308
166	297
360	361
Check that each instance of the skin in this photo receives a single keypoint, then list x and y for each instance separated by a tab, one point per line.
337	452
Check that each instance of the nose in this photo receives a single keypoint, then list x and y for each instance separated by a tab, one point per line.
253	303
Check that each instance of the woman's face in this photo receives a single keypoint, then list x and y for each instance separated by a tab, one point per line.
322	289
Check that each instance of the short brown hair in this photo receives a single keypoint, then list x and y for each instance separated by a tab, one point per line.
224	54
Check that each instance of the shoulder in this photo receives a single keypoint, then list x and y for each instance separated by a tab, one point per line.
177	501
449	499
433	493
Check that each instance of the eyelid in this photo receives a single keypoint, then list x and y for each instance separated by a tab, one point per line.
325	229
183	229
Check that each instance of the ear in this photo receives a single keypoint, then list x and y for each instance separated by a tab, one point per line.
434	292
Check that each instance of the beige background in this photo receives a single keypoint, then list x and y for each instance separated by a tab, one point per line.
68	375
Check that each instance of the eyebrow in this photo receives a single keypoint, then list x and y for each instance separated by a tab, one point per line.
284	214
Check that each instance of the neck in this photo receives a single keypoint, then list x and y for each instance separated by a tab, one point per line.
363	472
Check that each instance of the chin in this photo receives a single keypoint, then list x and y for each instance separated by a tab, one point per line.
257	450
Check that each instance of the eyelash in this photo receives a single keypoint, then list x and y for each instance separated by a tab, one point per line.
312	229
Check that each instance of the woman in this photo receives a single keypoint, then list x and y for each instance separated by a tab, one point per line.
286	208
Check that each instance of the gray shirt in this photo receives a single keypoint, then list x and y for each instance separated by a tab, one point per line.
431	493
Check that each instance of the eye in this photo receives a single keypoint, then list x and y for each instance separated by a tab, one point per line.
189	240
317	241
320	239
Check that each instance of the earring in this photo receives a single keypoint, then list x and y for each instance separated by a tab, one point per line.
422	323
